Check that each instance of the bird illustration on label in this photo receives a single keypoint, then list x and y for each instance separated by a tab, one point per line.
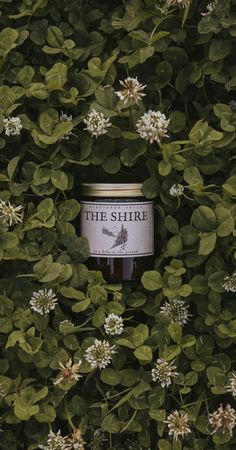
120	239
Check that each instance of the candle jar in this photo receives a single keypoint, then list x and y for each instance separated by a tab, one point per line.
118	223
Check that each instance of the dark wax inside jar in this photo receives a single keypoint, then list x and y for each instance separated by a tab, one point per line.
120	234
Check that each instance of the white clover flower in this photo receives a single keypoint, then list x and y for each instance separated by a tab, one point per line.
99	354
223	420
75	441
65	118
230	283
113	325
96	123
97	440
163	371
10	214
176	190
178	424
12	126
152	126
132	92
177	311
66	326
231	387
179	3
55	442
68	373
210	8
43	301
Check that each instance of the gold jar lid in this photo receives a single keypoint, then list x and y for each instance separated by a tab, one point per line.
112	189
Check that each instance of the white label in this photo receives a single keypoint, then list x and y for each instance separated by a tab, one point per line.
121	229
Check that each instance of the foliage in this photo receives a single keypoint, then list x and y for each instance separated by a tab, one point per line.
69	56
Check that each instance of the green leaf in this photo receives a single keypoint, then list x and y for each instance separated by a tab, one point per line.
145	53
12	165
164	445
163	74
171	225
193	177
70	292
111	424
46	414
81	306
112	164
69	210
174	246
157	414
55	37
225	221
8	37
6	325
199	284
25	76
141	387
52	272
139	35
185	290
191	378
152	280
45	209
136	299
128	377
156	397
125	343
40	394
171	352
38	90
204	219
189	234
230	185
188	341
219	49
47	121
56	77
98	294
207	243
78	249
59	179
110	376
216	281
8	240
140	334
164	168
177	121
24	411
176	56
151	187
130	155
143	354
40	267
175	332
198	132
98	317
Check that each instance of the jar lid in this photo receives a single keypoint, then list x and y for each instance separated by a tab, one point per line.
112	189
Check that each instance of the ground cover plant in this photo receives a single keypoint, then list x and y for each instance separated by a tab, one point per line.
137	90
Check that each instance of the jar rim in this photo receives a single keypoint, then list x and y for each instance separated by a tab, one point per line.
112	189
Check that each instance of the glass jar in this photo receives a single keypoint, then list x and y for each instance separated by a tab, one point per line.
118	223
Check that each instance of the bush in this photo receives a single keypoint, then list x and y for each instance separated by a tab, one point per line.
59	61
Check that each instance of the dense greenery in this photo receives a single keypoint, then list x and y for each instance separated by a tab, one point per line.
67	55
